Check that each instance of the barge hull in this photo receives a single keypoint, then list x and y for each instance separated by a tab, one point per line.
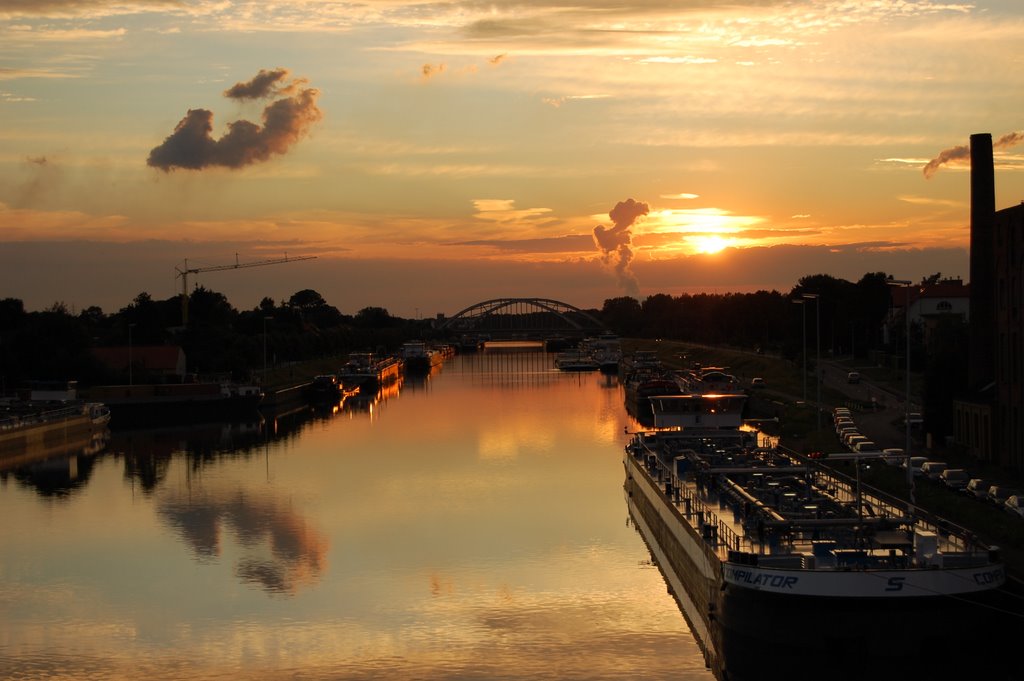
752	633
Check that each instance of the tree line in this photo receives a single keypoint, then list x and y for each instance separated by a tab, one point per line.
56	344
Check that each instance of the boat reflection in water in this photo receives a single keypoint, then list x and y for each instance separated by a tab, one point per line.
371	400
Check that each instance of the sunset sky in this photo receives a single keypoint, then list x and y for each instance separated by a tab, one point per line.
437	154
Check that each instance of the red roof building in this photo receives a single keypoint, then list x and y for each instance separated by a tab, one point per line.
153	361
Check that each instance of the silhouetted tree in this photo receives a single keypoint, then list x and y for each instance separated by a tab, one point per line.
306	299
373	317
210	308
622	315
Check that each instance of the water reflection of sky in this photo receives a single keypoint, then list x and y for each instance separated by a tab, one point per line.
475	530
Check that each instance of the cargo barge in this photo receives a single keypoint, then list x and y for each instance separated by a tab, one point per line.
775	556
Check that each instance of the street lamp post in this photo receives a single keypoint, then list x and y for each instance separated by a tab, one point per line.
131	380
906	283
817	352
265	320
803	309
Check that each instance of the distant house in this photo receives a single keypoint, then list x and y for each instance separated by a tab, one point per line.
155	362
949	298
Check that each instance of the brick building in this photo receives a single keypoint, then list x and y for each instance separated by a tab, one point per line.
988	419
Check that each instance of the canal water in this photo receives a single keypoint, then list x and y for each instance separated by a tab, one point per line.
468	525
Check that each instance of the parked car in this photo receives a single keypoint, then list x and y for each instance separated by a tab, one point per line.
998	494
954	478
844	422
933	469
915	464
978	488
1015	504
893	456
847	436
854	439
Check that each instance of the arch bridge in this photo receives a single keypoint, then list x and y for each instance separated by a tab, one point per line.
523	318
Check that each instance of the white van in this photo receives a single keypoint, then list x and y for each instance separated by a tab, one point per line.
933	469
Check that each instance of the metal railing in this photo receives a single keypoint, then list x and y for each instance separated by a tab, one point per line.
39	417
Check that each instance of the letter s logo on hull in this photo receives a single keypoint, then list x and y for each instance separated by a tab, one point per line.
895	584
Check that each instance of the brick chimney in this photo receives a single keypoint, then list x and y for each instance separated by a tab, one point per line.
981	363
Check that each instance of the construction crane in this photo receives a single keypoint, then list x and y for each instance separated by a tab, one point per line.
184	271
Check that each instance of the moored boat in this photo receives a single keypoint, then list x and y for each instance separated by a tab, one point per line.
368	371
419	357
707	380
642	384
780	550
640	360
324	388
144	403
606	350
31	429
575	360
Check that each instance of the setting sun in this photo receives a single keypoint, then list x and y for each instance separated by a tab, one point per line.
708	243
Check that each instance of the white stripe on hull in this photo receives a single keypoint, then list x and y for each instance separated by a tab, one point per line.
866	583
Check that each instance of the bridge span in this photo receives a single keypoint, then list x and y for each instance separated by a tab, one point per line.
523	318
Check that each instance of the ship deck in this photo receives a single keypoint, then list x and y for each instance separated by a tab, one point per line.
795	513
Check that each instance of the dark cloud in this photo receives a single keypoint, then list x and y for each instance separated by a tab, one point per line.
263	84
44	181
615	242
429	70
285	122
963	152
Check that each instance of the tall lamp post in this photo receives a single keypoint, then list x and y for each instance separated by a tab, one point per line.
906	283
265	320
817	352
131	380
803	309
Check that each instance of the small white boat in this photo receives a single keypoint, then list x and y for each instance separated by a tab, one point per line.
576	360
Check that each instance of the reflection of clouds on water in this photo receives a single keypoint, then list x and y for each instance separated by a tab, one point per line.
279	552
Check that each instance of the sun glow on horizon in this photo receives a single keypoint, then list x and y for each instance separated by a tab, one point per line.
708	243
